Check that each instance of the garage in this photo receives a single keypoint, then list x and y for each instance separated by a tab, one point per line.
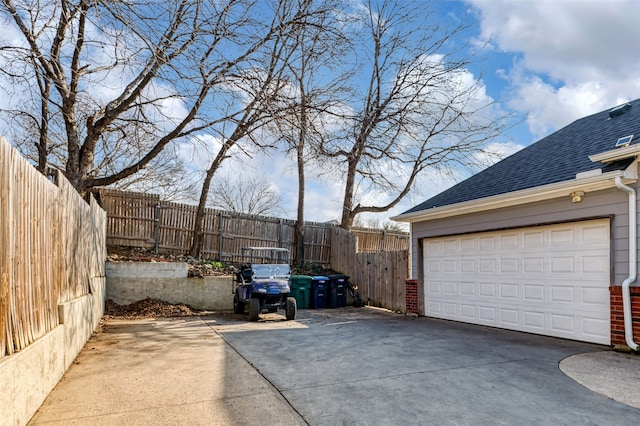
551	280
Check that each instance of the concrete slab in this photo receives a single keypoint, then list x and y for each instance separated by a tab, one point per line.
367	366
328	367
166	371
614	374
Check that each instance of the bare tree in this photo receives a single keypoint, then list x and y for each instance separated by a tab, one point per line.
246	194
418	108
317	73
258	89
376	224
114	82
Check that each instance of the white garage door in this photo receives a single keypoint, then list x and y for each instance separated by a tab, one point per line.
551	280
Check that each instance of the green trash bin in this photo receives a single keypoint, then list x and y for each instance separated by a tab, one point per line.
301	290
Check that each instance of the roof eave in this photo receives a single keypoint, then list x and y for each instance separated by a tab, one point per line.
510	199
616	154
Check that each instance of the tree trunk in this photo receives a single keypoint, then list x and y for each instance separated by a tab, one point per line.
198	229
349	187
299	237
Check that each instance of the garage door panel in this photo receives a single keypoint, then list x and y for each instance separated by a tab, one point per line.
487	243
534	239
487	313
509	291
467	289
435	288
450	288
468	311
563	323
434	266
510	317
595	264
509	241
550	280
487	290
487	266
596	234
533	265
597	296
533	321
595	327
450	309
563	294
533	293
509	266
467	244
467	266
564	264
561	237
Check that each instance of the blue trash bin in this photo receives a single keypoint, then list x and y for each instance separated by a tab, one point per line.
320	288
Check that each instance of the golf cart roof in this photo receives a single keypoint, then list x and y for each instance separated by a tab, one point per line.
276	249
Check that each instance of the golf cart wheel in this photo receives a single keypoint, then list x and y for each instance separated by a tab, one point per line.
291	308
238	306
254	309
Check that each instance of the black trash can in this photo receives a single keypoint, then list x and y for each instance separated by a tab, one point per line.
320	288
338	290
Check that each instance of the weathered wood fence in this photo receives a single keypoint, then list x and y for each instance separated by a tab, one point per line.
143	220
376	260
51	244
380	276
376	240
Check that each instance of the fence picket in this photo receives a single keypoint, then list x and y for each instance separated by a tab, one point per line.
50	242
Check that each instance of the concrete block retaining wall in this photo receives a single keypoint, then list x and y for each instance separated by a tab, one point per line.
27	377
129	282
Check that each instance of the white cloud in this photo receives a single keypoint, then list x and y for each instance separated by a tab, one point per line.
577	57
495	152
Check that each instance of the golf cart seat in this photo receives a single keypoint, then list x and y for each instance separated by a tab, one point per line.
245	272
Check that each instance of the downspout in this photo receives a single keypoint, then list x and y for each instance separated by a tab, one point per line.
633	259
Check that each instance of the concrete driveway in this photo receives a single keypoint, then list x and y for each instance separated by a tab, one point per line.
329	367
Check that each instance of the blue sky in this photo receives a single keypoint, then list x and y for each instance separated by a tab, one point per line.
548	61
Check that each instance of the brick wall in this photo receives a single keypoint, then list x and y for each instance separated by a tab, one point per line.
411	296
617	315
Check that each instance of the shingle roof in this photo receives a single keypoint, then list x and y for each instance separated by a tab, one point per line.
555	158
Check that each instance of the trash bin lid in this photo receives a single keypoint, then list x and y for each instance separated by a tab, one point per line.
339	277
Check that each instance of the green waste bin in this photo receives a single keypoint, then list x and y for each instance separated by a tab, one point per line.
301	290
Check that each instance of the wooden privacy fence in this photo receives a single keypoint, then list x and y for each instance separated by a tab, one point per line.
143	220
51	244
375	240
377	261
381	278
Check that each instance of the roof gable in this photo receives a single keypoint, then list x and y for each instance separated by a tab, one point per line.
555	158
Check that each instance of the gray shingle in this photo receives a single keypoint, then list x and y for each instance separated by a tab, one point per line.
555	158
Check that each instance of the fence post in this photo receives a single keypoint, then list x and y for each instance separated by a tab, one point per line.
158	210
220	237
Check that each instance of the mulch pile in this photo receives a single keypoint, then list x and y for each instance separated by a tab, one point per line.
149	308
